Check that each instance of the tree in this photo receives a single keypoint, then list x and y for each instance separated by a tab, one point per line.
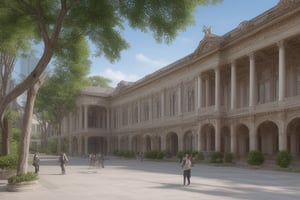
26	126
57	97
99	81
59	23
7	64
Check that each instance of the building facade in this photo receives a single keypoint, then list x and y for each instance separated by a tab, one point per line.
235	93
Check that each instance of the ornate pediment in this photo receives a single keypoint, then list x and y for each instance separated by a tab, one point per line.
210	42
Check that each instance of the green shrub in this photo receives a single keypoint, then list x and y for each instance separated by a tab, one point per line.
155	154
23	178
160	155
228	157
283	159
255	158
168	154
216	157
8	162
199	156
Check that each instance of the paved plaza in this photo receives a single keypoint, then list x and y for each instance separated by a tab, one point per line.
123	179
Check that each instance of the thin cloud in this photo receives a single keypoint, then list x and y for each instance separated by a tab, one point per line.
117	76
144	59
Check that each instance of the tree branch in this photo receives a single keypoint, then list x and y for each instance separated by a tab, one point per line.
42	23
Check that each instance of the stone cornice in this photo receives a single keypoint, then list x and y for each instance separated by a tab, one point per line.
212	44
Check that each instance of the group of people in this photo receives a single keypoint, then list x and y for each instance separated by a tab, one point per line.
63	159
96	160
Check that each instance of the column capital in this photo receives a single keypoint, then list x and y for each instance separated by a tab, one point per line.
281	43
251	55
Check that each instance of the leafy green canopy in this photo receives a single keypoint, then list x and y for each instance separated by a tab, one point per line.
63	25
57	97
100	21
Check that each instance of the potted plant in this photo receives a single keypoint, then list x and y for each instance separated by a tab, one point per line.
22	182
8	165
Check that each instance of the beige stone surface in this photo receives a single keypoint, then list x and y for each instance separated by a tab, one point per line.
134	180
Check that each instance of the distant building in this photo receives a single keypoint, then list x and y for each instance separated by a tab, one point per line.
235	93
27	64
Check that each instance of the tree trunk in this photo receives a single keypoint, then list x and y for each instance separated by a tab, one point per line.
5	138
26	130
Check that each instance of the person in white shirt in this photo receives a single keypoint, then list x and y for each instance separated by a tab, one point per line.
186	165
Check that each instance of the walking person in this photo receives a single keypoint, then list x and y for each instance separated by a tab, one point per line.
36	162
186	165
63	159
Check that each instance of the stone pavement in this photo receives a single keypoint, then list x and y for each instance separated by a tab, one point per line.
149	180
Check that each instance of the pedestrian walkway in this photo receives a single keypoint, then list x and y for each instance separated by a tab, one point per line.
123	179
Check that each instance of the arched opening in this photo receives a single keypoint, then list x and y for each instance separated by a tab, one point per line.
124	143
188	141
97	117
242	140
207	138
293	137
137	143
267	138
97	145
172	143
225	139
114	142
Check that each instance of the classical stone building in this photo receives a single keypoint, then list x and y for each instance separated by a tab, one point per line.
235	93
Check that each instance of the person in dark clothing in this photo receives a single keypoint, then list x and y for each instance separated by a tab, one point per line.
36	163
63	159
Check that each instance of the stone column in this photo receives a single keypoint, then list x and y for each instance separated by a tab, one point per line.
281	71
80	118
252	136
217	88
233	138
119	143
179	99
180	142
70	123
282	139
233	86
199	140
80	146
139	111
252	81
218	135
150	107
70	141
129	143
199	92
107	118
207	91
163	142
162	104
86	139
85	126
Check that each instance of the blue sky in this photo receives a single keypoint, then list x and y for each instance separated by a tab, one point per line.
145	56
